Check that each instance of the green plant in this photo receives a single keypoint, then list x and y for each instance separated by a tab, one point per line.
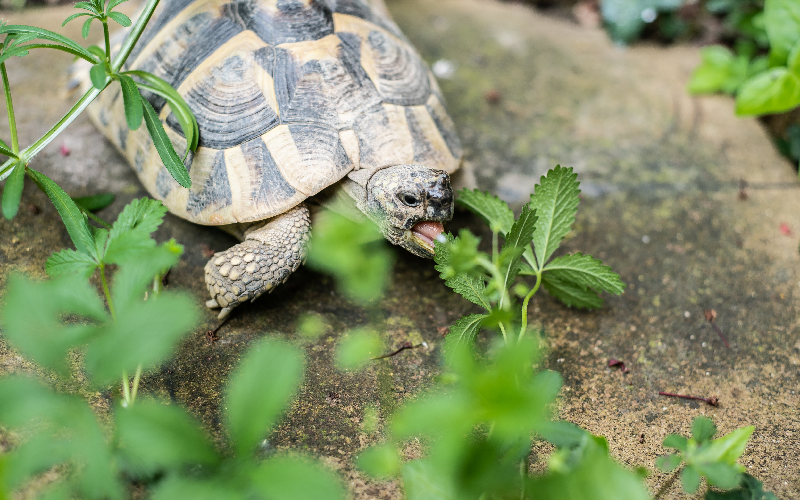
20	40
489	281
626	19
700	456
137	329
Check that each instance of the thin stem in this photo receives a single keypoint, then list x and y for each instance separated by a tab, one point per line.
12	122
667	485
108	43
107	292
136	378
494	246
133	37
126	391
97	219
503	331
524	326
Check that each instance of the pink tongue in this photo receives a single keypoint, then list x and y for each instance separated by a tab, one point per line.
430	230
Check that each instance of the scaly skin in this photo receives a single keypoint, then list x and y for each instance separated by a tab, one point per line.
265	259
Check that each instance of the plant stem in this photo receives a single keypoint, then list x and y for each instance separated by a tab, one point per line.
136	378
12	122
667	485
108	44
503	331
126	391
107	292
494	246
133	37
524	326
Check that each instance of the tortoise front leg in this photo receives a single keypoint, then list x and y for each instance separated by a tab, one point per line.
264	260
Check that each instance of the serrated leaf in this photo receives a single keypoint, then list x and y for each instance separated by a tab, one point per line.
470	287
137	272
253	407
70	262
98	76
131	232
489	207
668	463
166	151
94	203
120	18
33	314
12	191
132	102
144	334
570	295
466	329
155	436
703	429
584	272
73	218
517	240
555	199
294	478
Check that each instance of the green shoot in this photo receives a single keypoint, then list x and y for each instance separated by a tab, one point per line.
488	281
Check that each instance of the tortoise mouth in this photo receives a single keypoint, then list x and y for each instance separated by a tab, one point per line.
426	232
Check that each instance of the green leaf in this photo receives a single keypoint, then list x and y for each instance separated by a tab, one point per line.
749	488
73	219
70	262
668	463
166	152
590	474
12	191
421	481
145	334
137	271
32	317
175	486
726	449
561	433
357	348
131	232
355	253
690	479
114	3
6	150
155	436
74	16
720	475
85	29
120	18
293	478
380	461
517	241
676	441
94	203
556	200
466	329
88	6
98	76
585	272
47	35
132	101
719	71
181	110
253	406
773	91
489	207
782	22
470	287
569	294
703	429
97	52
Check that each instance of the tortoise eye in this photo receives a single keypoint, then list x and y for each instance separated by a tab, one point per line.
409	199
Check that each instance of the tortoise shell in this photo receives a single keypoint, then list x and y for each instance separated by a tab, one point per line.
289	95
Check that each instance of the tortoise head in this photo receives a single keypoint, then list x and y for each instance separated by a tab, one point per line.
409	203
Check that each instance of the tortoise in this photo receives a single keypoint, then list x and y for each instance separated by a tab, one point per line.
300	104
